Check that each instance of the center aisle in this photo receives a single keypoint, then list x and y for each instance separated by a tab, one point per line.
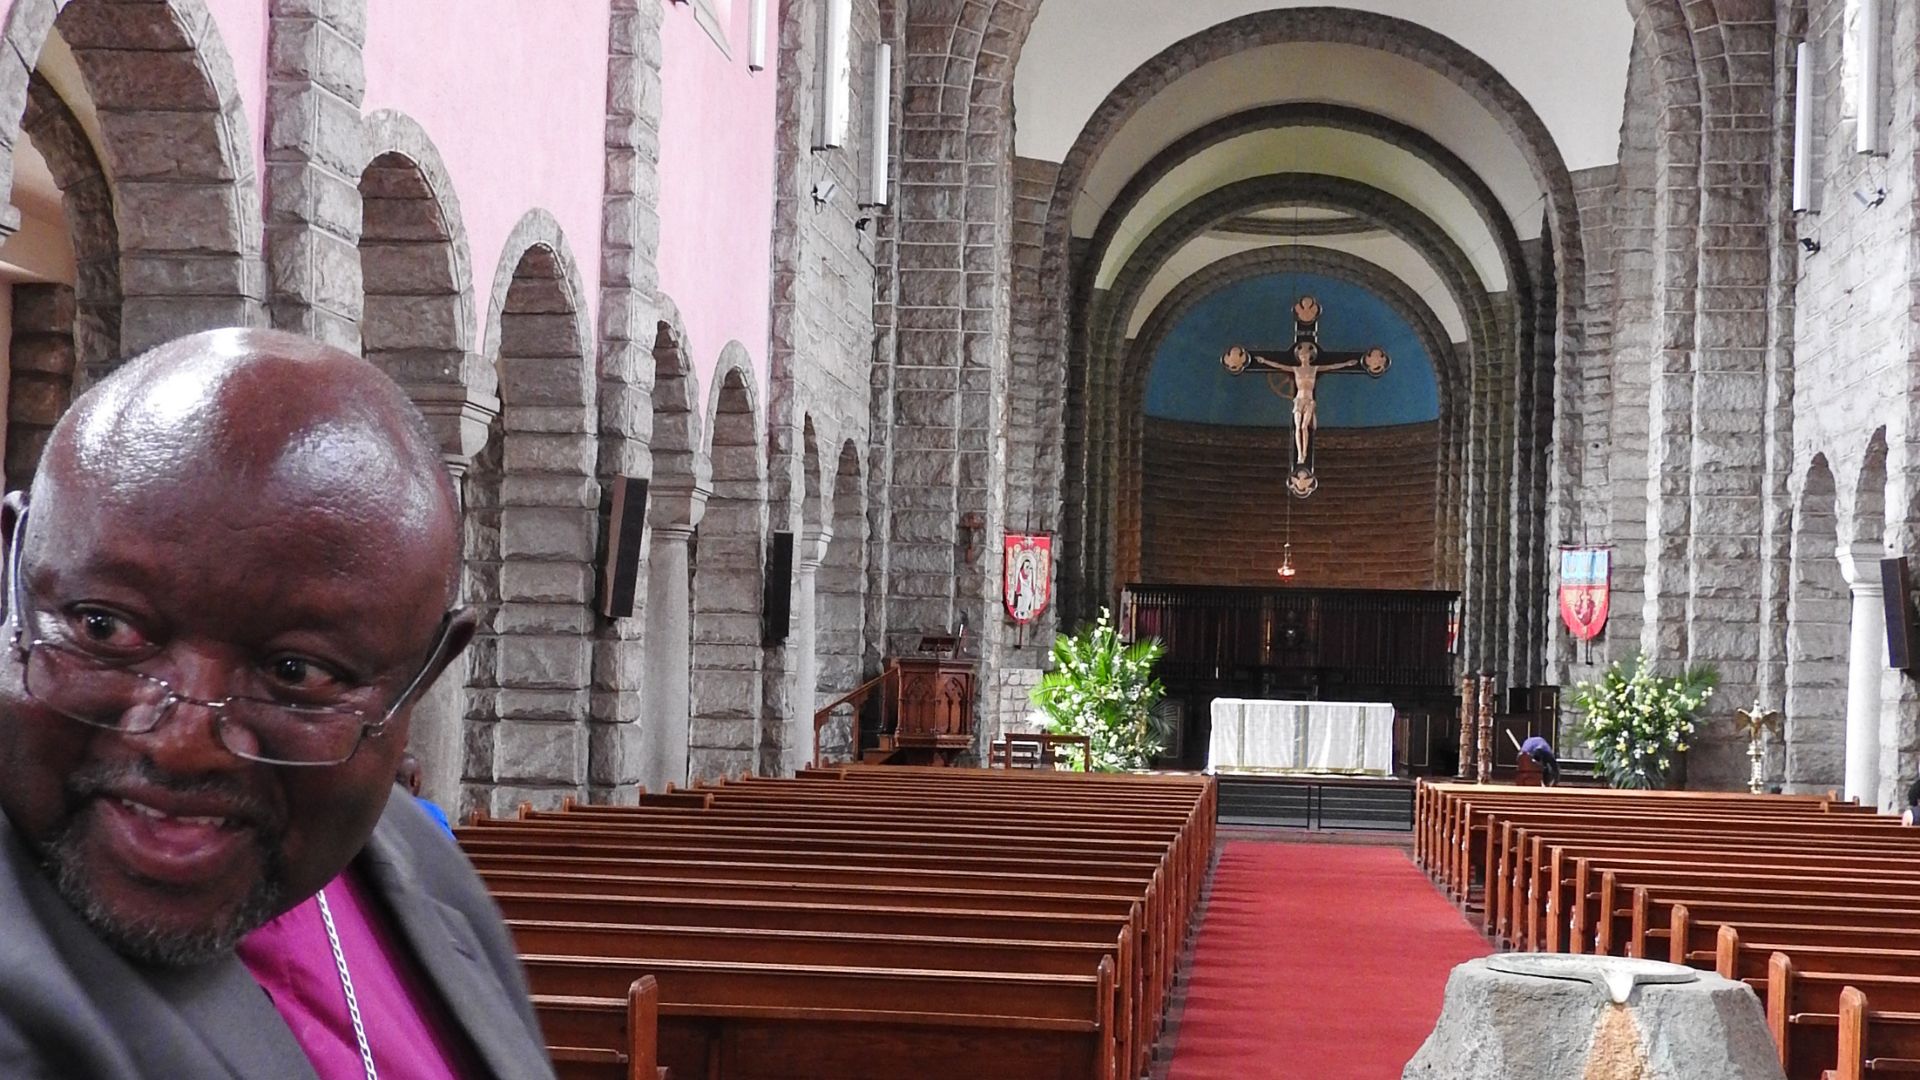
1317	962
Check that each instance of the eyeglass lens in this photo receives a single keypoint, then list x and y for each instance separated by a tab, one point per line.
123	700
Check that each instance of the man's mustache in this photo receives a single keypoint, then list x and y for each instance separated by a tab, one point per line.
117	779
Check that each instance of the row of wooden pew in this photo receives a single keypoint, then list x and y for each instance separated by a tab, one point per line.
1813	901
858	922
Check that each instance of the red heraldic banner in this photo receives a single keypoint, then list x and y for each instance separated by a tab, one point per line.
1028	583
1586	579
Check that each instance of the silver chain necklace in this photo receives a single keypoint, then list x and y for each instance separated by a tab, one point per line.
346	984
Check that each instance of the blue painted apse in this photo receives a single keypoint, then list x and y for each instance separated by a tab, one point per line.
1188	382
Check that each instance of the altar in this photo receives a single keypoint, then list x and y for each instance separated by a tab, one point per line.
1342	737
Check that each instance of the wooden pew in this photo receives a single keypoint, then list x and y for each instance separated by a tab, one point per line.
1803	1010
1611	919
1528	862
1747	960
593	1038
1458	828
726	1021
868	857
1158	927
1875	1043
1693	935
849	948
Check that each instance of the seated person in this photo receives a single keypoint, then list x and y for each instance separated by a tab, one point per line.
230	585
1542	754
1912	816
409	777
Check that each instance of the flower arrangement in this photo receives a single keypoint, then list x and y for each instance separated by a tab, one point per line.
1638	724
1104	688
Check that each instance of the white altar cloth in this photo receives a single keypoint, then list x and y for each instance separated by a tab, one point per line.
1303	736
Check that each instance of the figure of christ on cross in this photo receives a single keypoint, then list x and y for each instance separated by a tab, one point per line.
1308	363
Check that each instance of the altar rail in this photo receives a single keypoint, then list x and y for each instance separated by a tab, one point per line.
1357	637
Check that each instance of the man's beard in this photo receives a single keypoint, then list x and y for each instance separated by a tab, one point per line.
133	937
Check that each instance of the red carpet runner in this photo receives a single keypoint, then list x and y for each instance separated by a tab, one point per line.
1317	962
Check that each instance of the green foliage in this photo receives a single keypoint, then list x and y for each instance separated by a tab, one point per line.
1104	689
1639	723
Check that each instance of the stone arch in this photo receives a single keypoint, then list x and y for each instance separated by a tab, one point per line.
1473	475
417	317
1866	511
62	332
1320	115
791	665
676	503
724	733
533	489
1818	620
177	149
841	599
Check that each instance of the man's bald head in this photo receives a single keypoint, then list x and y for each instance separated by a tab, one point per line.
262	524
284	414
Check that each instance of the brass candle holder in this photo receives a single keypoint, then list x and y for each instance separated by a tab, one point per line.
1757	722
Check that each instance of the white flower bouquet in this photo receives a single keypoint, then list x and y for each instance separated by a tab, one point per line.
1104	688
1639	724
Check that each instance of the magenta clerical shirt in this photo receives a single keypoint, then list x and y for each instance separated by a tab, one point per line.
407	1028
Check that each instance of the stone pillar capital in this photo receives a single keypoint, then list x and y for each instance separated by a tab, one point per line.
677	503
458	417
810	548
1860	566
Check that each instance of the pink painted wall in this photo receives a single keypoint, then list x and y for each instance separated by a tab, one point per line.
513	94
716	186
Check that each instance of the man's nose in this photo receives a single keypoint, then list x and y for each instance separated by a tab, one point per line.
191	736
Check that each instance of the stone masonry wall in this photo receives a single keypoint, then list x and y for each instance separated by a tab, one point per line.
1217	513
1856	353
824	245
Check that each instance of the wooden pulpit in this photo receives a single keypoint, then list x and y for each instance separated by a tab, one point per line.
934	714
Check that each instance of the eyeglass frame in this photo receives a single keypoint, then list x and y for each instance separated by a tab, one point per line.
23	641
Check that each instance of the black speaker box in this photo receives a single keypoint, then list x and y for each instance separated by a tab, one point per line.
620	556
1896	592
776	605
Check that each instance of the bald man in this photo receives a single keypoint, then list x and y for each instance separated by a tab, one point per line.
234	577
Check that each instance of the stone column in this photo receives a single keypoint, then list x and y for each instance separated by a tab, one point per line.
669	659
1866	656
803	641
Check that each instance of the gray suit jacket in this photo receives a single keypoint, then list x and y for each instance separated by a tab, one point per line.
73	1009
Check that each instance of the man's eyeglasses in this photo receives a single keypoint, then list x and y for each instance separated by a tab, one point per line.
102	693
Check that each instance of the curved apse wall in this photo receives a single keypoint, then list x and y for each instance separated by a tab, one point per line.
1188	383
1215	447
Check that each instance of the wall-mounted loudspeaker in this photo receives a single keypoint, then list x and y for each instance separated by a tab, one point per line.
1896	592
620	557
776	604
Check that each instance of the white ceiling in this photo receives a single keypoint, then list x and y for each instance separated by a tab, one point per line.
1390	254
1364	79
1568	58
1324	151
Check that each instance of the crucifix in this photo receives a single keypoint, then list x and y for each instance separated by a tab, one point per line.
1294	372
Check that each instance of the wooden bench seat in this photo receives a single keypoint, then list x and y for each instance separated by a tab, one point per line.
760	1021
1693	933
1803	1010
1526	863
1609	919
604	1038
848	948
1873	1042
865	923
